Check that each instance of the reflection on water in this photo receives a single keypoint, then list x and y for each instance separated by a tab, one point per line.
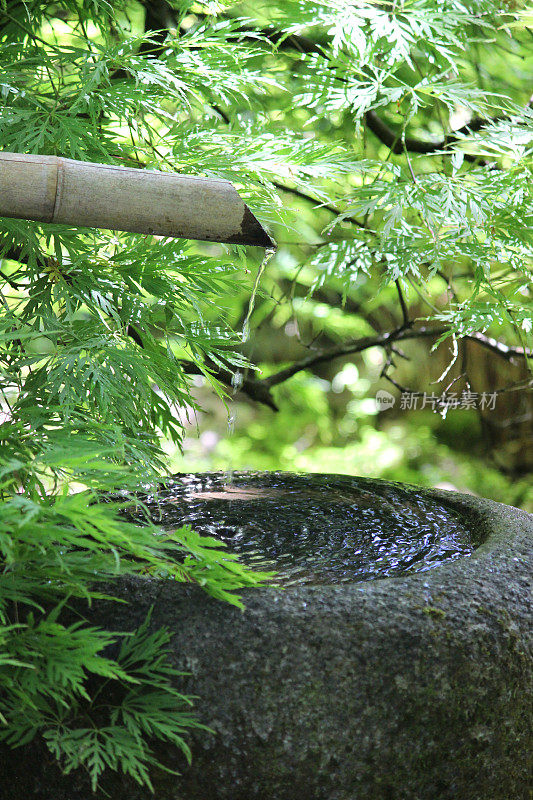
316	528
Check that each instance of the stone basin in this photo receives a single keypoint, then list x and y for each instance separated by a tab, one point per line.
412	687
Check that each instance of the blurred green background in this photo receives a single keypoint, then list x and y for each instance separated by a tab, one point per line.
332	422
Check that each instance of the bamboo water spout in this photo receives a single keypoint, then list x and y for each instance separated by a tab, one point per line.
61	190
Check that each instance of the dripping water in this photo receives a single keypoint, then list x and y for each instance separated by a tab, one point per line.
270	252
239	375
237	379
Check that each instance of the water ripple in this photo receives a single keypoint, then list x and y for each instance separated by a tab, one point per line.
316	528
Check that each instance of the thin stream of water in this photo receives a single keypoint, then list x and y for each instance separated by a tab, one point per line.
270	252
239	375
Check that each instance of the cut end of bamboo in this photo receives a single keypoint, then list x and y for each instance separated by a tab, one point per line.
64	191
253	233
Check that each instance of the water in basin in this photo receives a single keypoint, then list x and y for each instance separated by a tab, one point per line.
316	528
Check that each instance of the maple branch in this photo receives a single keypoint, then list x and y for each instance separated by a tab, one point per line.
386	340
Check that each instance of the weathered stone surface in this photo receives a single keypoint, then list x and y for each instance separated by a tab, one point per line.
413	688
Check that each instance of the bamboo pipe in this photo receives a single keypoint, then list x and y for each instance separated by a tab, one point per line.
61	190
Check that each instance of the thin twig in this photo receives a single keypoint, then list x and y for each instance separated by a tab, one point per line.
405	312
